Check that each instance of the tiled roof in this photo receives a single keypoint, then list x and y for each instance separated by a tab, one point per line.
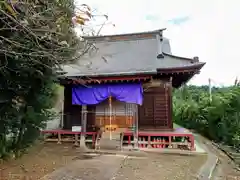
158	31
126	57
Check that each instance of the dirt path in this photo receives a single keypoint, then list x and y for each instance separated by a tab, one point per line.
226	169
152	167
161	166
101	168
51	158
39	161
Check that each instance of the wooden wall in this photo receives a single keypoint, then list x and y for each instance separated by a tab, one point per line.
120	121
121	115
72	113
155	113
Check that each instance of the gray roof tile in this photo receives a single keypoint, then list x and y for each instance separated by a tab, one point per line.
124	57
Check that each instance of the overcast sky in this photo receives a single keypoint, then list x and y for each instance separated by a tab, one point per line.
209	29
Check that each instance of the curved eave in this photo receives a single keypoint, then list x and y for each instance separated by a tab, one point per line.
180	75
187	68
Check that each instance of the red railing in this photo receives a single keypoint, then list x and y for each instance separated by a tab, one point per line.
60	132
159	139
146	139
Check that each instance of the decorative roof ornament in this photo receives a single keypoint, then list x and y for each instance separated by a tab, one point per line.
160	56
195	59
159	45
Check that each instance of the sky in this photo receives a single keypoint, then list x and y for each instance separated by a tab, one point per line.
209	29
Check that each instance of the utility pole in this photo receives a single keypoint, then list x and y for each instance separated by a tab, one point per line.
210	89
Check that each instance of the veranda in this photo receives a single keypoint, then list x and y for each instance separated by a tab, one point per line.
117	108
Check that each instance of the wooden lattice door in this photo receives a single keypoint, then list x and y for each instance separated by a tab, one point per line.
145	111
154	113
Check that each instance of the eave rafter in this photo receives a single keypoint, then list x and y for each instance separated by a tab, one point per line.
100	80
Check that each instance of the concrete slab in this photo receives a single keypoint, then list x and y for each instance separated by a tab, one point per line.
99	168
207	169
199	147
173	151
123	153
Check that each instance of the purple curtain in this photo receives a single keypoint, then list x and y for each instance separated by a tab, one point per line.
129	93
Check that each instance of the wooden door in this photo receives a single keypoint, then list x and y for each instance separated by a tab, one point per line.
146	115
121	114
154	113
91	117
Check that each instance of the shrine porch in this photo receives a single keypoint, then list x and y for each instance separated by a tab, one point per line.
67	136
178	139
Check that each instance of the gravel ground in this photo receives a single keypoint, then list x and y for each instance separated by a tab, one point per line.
38	161
161	166
46	158
99	168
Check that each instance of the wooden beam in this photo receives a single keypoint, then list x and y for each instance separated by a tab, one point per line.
170	121
84	124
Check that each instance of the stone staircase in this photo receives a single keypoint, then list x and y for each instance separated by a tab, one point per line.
113	144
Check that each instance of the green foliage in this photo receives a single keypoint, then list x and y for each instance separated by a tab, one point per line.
36	37
217	119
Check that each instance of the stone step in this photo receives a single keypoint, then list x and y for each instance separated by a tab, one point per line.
106	135
107	143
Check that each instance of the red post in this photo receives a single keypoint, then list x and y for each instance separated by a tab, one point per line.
149	141
93	140
154	145
163	145
192	142
159	143
143	140
129	139
169	141
59	138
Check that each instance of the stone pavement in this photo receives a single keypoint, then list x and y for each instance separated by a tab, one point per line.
99	168
206	171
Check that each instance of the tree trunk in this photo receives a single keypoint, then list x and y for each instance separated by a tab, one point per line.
19	138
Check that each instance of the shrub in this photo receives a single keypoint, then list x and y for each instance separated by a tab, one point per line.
217	119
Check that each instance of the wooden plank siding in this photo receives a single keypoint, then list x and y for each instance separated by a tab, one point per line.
155	113
120	121
121	115
72	113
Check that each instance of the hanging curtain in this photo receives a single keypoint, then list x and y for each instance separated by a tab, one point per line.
129	93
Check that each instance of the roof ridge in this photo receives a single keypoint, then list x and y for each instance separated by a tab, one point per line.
124	34
183	58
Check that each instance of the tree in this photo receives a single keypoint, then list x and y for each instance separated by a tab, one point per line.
36	38
218	119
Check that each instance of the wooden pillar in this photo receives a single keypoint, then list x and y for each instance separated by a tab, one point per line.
84	125
136	126
170	121
67	107
110	117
